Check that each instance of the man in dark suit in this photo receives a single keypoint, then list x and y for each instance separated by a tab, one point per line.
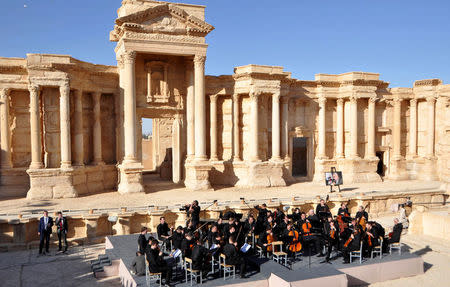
62	228
233	257
142	240
156	262
394	236
44	231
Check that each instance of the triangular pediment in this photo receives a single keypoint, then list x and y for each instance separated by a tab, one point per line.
164	19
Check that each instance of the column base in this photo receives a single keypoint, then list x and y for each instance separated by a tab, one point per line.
266	174
51	183
197	175
397	169
36	165
130	178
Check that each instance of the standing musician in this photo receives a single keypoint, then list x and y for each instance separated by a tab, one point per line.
156	262
352	244
309	238
262	217
332	237
322	210
362	217
177	238
193	212
233	257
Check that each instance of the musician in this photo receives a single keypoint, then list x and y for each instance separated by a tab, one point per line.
163	230
249	225
233	257
262	217
265	241
394	236
193	212
362	213
177	237
343	210
352	244
187	244
212	235
322	210
291	240
220	225
269	223
332	237
371	239
142	240
190	228
156	262
295	216
311	239
199	258
231	232
314	219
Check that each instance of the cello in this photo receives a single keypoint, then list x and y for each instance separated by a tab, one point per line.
270	239
295	246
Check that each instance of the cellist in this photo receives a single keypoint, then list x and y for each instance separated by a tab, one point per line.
265	241
352	244
309	237
362	217
293	241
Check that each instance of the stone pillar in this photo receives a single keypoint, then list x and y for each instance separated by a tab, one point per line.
371	129
236	132
397	132
35	128
430	127
285	127
78	129
190	108
322	132
354	127
413	128
276	127
254	136
200	109
176	149
5	132
340	129
213	133
97	130
64	116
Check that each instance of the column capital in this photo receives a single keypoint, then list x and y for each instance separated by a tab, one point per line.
397	100
120	63
254	95
431	99
33	88
213	97
340	101
235	97
276	95
413	102
353	99
4	92
322	101
199	59
128	57
64	88
373	99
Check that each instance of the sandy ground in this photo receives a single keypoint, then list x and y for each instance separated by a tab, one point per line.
165	193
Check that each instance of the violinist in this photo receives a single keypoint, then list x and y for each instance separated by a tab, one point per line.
371	238
190	228
193	212
311	239
343	210
352	244
262	217
187	244
233	257
177	238
212	235
332	236
199	258
322	210
156	262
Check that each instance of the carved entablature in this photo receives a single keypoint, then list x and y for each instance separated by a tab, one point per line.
301	131
428	82
165	19
157	82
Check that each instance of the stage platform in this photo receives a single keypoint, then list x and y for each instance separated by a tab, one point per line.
264	272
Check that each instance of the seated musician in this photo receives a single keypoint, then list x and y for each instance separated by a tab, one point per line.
343	210
199	258
177	238
322	209
262	217
332	237
371	239
187	244
311	239
142	240
163	230
352	244
395	235
230	232
212	235
362	213
314	219
249	227
156	262
269	223
190	228
232	256
282	230
295	216
265	241
291	240
220	225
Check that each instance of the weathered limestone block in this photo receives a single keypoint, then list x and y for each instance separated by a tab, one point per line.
130	178
265	174
197	175
51	183
122	226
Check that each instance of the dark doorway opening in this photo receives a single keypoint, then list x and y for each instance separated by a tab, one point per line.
299	156
380	166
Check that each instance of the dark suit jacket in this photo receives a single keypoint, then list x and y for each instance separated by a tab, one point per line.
41	227
64	224
155	262
396	233
142	242
231	254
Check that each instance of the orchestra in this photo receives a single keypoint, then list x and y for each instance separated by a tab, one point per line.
308	233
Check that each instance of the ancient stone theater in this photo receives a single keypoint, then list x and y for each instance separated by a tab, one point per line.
70	128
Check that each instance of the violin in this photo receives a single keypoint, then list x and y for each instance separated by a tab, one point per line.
295	246
362	221
369	240
333	233
341	223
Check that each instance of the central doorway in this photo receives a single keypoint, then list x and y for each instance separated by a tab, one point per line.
299	156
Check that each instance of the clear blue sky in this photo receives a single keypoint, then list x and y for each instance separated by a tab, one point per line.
402	40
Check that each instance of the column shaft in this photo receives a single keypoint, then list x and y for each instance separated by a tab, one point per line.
254	140
200	109
97	130
190	108
35	128
371	129
213	132
397	128
285	127
354	127
5	132
430	127
413	127
340	129
276	126
78	126
64	115
236	136
129	107
322	131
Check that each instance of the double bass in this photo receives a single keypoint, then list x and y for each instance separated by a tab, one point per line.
295	246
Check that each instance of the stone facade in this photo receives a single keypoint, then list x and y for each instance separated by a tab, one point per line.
69	127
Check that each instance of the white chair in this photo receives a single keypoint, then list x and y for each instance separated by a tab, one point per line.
378	249
227	269
149	277
357	253
193	272
394	246
279	256
214	263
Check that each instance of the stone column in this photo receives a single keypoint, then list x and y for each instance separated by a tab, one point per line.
35	128
396	134
190	108
64	116
129	107
254	136
200	109
213	133
371	129
97	130
413	128
78	128
340	129
430	127
285	127
236	132
322	132
176	149
276	127
4	126
354	127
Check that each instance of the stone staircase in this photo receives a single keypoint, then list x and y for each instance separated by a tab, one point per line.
98	265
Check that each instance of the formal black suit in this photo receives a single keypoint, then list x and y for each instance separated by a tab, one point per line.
233	257
396	233
352	246
198	255
142	243
45	229
62	228
157	264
